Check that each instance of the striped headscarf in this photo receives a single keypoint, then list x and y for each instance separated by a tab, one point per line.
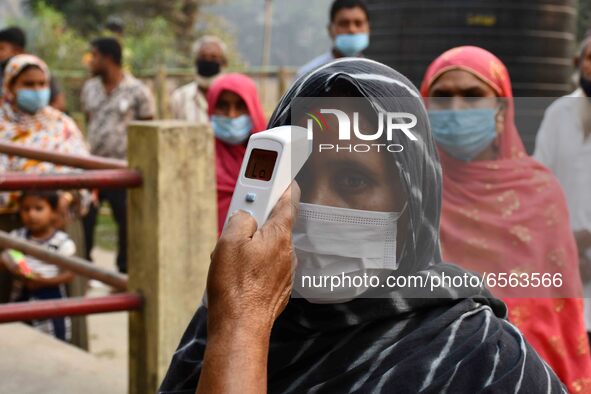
452	340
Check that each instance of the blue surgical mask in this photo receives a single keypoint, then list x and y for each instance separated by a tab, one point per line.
464	133
351	44
32	100
232	131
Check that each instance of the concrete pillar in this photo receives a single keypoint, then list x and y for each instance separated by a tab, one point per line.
172	231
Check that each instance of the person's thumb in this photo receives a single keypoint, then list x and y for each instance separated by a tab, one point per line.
285	211
241	225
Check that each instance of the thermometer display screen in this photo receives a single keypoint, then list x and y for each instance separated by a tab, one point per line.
261	164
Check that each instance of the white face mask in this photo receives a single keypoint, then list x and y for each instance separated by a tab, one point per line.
331	241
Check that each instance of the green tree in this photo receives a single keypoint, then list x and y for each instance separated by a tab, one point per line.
151	43
151	37
50	37
181	16
84	16
87	17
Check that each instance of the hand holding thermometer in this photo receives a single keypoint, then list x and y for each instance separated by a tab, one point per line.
273	158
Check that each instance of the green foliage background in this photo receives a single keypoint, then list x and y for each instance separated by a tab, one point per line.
60	31
50	37
159	32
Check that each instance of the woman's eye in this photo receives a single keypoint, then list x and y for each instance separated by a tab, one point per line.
475	98
440	101
480	102
440	95
351	182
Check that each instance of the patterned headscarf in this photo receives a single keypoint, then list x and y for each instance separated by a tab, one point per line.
15	66
453	343
510	215
47	129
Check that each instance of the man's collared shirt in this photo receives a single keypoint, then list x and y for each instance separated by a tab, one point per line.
110	114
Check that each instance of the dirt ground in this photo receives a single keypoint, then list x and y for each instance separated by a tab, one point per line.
107	333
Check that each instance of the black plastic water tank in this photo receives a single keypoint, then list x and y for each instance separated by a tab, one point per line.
536	39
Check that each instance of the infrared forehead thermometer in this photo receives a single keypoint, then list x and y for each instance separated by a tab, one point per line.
273	159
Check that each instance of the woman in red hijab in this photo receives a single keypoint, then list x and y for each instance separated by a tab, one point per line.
503	209
236	113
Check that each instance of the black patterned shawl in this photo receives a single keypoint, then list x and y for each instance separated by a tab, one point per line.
454	341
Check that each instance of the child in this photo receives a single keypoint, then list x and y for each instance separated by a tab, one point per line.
34	279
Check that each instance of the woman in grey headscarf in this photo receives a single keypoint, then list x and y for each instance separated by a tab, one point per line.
393	339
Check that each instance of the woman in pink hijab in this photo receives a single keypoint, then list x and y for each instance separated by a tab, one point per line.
235	112
503	209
